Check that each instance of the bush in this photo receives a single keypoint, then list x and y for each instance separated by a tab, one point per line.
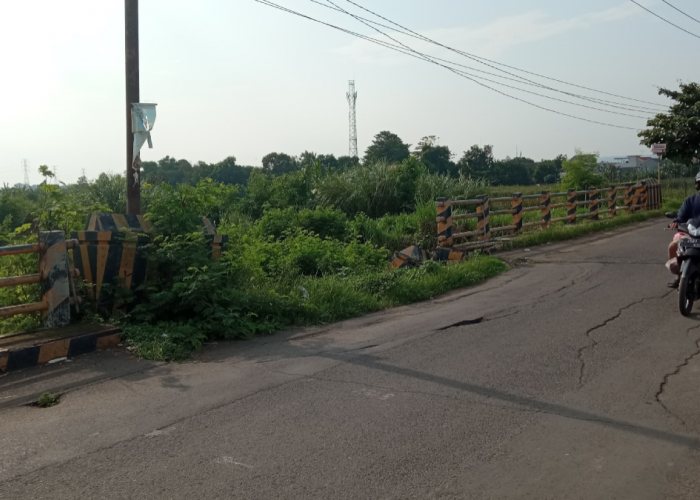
326	222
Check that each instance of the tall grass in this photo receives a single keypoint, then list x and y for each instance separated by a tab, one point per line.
431	187
374	189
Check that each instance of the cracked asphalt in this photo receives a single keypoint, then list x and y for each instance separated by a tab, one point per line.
572	376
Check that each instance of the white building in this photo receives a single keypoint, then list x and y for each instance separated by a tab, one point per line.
637	162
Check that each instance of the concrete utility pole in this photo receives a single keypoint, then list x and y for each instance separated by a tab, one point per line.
133	173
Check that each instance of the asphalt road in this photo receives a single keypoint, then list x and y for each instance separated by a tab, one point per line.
572	376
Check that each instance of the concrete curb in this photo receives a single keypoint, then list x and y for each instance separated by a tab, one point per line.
41	351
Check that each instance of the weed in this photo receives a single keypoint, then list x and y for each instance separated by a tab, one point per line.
47	400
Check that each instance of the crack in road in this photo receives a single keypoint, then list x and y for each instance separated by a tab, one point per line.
594	343
678	369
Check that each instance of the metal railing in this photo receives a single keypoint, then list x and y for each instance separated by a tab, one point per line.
642	196
55	277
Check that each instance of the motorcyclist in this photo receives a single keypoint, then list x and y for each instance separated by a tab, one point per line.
689	210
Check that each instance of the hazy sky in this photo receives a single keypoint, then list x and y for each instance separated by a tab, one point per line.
234	77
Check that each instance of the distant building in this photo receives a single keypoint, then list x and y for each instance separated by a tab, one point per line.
637	163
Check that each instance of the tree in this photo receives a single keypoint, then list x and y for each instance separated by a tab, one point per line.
512	172
581	171
227	172
680	127
437	159
328	162
387	147
279	163
346	162
476	162
546	172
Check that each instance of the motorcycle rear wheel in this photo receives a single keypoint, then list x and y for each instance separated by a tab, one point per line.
686	292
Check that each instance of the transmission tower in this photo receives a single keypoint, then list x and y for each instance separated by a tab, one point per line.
25	168
352	100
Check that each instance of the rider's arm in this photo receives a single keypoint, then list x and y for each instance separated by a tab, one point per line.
685	213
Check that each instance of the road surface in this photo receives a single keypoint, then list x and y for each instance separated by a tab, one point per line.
572	376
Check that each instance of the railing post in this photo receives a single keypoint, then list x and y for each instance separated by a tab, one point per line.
546	200
571	206
628	197
518	211
54	268
484	221
444	220
593	207
612	203
645	196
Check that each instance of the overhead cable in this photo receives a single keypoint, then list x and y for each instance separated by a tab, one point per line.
664	19
481	59
364	37
679	10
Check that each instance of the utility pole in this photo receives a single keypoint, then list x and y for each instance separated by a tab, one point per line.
133	179
352	100
25	167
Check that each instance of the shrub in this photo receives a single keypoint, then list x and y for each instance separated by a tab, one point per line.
326	222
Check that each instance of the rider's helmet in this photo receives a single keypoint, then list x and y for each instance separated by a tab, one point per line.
697	178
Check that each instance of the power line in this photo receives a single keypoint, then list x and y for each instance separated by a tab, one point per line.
432	59
679	10
425	58
480	59
663	19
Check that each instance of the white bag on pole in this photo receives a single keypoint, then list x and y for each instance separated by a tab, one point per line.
143	116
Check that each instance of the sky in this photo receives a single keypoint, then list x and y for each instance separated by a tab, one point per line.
238	78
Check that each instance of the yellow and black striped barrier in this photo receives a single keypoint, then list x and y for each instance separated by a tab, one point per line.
571	205
545	211
444	220
612	202
54	276
112	254
517	205
644	195
108	259
593	209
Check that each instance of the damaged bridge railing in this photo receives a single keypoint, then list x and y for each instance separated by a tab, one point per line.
645	195
54	275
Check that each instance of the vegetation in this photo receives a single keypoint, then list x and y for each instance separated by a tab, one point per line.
679	129
46	400
309	237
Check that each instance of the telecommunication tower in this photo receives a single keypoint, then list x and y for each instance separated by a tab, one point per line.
25	168
352	100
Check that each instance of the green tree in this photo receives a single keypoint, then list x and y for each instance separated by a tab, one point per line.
546	172
387	147
346	162
476	162
581	171
437	159
279	164
512	172
228	172
680	127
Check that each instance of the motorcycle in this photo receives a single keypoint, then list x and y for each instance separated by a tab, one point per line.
689	262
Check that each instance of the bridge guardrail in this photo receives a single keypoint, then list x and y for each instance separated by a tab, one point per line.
644	195
54	275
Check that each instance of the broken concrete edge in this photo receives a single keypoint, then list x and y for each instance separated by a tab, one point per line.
44	353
